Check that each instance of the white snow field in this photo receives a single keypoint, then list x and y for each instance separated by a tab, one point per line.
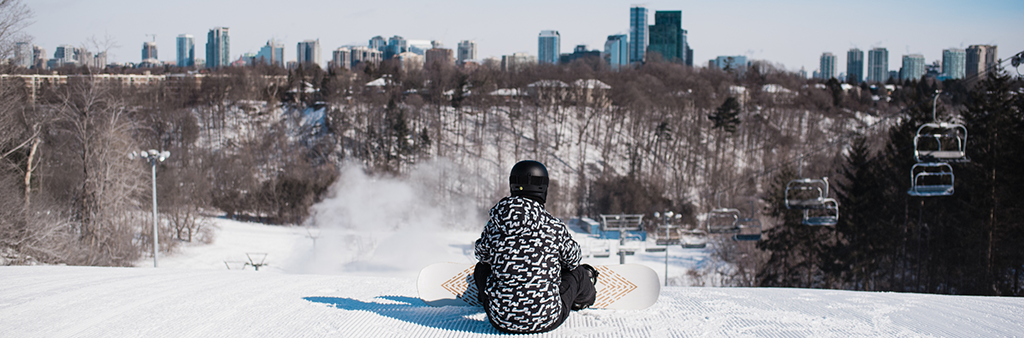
370	292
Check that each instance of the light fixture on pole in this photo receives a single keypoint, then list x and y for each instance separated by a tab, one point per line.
153	157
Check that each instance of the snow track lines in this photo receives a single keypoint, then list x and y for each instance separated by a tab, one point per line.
56	301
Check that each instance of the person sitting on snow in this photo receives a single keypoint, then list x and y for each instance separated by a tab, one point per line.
529	273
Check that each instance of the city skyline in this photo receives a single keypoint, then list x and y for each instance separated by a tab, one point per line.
788	33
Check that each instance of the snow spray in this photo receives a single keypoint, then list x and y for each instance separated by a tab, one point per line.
391	226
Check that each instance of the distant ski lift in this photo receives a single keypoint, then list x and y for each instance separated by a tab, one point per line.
693	238
826	215
931	179
749	230
807	193
667	233
940	142
722	221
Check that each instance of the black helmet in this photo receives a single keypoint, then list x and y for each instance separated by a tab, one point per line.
529	179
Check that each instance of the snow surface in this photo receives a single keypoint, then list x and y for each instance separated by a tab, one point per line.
193	294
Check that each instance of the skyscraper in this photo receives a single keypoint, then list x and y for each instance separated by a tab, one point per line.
272	53
667	36
616	51
638	31
186	50
378	43
308	52
980	58
855	65
878	65
913	67
149	51
218	48
23	54
396	45
954	63
827	65
467	50
341	58
548	43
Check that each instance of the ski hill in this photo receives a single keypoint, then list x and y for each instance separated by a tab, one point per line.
370	292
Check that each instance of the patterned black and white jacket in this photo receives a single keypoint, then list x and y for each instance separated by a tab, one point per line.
527	249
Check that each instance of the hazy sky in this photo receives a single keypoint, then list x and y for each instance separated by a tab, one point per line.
793	33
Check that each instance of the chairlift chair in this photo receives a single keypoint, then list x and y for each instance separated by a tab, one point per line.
695	238
940	142
807	193
749	230
931	179
666	234
828	215
722	220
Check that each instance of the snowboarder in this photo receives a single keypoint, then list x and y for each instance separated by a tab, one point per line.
529	272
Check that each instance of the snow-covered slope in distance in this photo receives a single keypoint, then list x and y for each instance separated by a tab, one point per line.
192	294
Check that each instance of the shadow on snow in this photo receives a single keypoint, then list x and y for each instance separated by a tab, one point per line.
414	310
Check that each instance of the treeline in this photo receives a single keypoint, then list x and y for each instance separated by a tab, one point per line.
887	240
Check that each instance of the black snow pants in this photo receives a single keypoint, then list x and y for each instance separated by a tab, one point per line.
575	288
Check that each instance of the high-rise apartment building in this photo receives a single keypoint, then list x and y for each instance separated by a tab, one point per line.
878	65
980	58
667	36
855	65
379	43
365	55
38	57
218	48
516	61
616	51
341	58
548	43
186	50
954	63
272	54
913	67
23	54
638	32
308	52
149	51
396	45
65	54
467	51
827	66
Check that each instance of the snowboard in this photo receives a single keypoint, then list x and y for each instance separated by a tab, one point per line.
619	287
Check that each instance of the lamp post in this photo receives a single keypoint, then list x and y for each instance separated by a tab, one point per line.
153	157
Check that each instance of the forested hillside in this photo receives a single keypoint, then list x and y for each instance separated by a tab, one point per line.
266	143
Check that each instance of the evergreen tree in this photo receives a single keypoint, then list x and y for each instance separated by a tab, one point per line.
726	117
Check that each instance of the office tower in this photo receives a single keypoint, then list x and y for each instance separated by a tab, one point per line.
638	32
980	58
548	43
308	52
467	50
378	43
913	67
218	48
438	55
878	65
149	50
186	50
689	51
954	63
23	54
272	53
38	57
396	45
827	65
579	53
667	36
100	60
616	51
855	65
418	47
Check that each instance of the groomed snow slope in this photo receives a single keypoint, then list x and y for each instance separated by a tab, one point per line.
57	301
193	295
